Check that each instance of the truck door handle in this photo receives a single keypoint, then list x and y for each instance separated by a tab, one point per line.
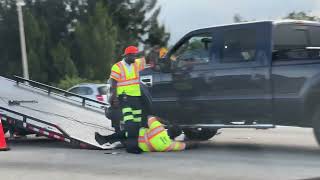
146	80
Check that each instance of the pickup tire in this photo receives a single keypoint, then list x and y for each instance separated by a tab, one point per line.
200	134
316	124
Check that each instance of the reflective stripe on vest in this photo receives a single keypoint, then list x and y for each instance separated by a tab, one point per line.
147	141
148	136
129	82
182	146
141	139
141	142
151	120
155	132
122	73
176	146
116	75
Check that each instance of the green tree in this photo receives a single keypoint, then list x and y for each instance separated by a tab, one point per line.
95	41
37	31
301	16
157	34
62	63
84	33
133	24
68	82
10	61
54	20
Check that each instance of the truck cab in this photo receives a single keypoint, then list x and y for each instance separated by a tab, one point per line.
250	75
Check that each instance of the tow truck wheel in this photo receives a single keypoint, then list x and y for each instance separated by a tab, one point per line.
316	125
200	134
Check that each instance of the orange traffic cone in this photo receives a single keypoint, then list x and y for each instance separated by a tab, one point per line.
3	144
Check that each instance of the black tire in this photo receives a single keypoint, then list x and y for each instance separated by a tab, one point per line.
316	124
200	134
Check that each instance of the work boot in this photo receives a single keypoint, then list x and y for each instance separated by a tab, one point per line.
101	139
134	150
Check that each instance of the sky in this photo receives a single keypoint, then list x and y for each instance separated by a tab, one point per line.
182	16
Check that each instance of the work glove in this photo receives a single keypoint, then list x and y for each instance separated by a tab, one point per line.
115	102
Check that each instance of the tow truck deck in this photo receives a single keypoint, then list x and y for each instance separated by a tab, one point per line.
46	111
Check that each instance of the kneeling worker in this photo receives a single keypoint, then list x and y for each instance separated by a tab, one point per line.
156	139
152	139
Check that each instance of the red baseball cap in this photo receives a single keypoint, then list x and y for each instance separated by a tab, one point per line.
131	50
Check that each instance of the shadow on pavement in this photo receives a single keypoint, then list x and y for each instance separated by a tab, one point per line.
238	147
203	146
38	142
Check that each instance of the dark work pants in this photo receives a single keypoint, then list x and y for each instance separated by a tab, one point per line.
132	118
132	134
128	136
131	107
130	130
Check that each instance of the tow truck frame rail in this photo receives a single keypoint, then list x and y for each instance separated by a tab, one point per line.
19	120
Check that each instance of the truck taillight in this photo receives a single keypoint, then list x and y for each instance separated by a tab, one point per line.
100	98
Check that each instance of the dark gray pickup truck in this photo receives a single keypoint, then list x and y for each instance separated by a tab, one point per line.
251	75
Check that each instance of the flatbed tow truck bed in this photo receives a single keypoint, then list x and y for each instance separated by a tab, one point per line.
45	110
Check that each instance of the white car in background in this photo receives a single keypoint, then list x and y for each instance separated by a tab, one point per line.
98	92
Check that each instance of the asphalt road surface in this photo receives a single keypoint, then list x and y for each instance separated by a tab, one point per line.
282	153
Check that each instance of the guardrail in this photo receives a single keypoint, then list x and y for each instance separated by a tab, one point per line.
51	89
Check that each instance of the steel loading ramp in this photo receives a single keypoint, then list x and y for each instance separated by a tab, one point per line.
50	114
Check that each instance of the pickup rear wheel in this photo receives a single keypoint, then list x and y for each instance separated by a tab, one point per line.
316	124
200	134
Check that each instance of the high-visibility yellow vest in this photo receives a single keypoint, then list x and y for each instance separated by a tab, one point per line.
156	139
128	82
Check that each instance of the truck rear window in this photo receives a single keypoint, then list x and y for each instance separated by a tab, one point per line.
296	42
315	36
290	36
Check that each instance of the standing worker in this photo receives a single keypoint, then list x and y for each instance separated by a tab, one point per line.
125	91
